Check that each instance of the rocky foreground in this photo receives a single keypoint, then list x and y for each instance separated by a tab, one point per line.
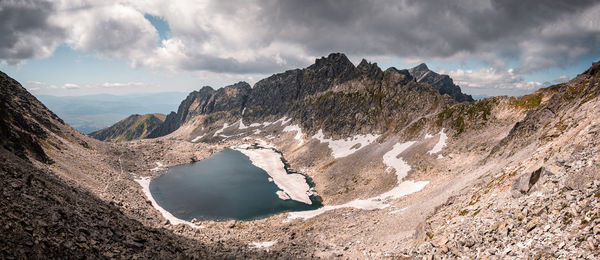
505	177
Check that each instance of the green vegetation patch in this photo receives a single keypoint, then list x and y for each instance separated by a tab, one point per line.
527	102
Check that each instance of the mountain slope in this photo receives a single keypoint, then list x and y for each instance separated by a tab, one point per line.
542	199
130	128
61	196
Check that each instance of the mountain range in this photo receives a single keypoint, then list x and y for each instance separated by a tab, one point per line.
506	177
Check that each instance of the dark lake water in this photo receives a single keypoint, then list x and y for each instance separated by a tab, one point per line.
225	185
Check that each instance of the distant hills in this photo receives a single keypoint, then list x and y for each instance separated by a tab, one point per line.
133	127
91	113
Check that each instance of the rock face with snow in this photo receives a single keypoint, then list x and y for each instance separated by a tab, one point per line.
332	94
442	83
227	100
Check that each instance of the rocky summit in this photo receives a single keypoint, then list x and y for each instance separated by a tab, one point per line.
405	164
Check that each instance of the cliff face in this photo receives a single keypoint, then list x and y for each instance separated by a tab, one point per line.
275	95
442	83
230	100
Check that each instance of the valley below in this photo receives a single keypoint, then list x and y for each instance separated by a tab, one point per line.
403	163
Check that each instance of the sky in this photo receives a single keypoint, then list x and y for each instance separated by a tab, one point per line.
489	47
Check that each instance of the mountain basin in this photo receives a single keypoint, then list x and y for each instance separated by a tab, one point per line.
226	185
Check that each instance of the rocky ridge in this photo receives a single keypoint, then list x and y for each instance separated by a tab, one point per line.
330	86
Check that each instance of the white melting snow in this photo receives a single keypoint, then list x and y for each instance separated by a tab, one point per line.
293	185
345	147
197	138
381	201
225	125
145	183
397	211
440	144
159	166
282	195
284	120
264	245
242	126
256	131
291	128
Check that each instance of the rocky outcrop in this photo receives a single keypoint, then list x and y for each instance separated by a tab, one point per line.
230	99
131	128
442	83
275	95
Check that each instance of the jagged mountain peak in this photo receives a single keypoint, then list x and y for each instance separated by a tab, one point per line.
421	67
442	83
370	70
338	59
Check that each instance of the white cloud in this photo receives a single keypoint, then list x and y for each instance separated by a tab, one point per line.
112	29
34	82
71	86
491	78
127	84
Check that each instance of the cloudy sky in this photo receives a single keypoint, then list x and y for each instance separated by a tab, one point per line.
489	47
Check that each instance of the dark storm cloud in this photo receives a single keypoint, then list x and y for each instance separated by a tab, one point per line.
230	65
25	31
276	35
414	28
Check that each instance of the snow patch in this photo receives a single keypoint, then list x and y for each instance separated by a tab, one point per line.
264	245
282	195
242	126
293	185
159	166
145	183
440	144
283	121
344	147
381	201
197	138
225	125
397	211
291	128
